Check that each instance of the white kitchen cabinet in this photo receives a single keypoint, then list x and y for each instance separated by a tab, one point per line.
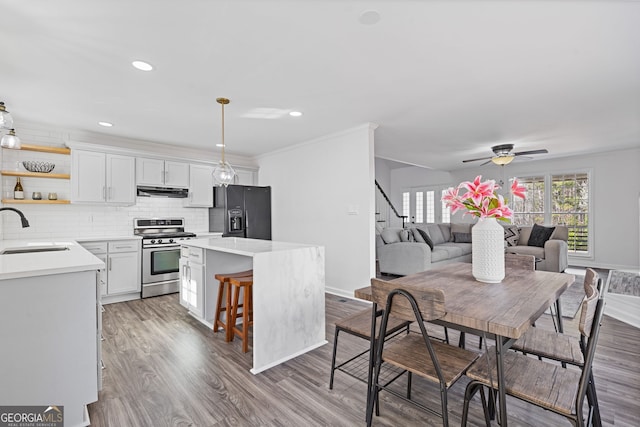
102	178
50	351
122	268
163	173
99	249
200	187
120	280
244	177
192	279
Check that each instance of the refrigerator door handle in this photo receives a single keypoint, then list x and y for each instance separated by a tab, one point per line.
246	223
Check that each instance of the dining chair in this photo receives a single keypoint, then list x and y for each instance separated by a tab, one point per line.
562	347
359	325
543	384
555	345
415	353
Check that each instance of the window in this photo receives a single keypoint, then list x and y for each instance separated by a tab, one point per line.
406	207
530	210
430	207
570	206
557	199
427	207
419	207
446	211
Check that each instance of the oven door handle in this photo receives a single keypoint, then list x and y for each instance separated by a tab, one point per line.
170	246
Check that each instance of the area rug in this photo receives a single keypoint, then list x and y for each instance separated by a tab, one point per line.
571	299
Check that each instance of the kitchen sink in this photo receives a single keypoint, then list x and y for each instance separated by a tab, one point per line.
33	249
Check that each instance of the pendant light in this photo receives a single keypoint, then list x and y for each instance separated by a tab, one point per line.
223	173
10	140
6	121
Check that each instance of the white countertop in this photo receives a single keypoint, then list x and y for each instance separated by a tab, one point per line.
241	246
19	265
105	238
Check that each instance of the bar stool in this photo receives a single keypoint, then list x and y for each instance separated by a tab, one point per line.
225	287
244	284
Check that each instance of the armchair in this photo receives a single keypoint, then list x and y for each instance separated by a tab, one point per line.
553	256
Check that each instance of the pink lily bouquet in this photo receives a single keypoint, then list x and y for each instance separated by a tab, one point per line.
481	200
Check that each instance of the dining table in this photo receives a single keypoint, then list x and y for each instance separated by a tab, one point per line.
502	311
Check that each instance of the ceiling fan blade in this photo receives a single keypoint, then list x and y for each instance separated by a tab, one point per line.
524	153
475	160
487	162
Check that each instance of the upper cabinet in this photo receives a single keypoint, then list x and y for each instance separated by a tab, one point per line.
102	178
244	177
201	187
163	173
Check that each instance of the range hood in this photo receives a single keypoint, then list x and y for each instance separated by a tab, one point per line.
178	193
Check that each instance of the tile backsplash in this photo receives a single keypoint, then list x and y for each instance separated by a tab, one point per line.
74	220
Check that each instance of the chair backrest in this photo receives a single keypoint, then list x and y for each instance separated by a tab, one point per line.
590	321
523	262
590	279
588	308
430	302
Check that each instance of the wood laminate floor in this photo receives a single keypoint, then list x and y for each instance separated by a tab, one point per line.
163	368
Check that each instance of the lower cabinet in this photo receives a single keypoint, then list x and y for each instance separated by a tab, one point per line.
120	280
192	279
49	350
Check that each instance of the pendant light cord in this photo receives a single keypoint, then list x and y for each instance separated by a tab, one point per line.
222	132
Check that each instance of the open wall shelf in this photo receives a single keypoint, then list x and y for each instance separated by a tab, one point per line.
36	202
37	174
46	149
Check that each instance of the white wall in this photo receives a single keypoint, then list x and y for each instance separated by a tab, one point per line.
323	194
616	188
405	179
70	221
383	174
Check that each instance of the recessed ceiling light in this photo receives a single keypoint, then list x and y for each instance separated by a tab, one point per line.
295	113
143	66
220	145
105	124
369	17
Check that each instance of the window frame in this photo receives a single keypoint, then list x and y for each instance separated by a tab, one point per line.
548	214
437	205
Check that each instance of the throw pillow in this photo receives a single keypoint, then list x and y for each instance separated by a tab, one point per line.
511	235
460	228
421	236
539	235
462	237
406	235
390	235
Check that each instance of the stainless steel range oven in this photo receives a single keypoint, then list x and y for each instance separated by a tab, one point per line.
160	253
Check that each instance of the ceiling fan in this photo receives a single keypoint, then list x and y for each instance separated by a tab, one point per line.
504	156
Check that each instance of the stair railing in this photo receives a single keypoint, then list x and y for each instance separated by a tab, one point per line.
382	218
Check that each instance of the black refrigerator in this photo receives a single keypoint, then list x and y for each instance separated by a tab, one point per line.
241	211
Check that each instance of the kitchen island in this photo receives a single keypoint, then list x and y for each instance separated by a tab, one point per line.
288	292
50	324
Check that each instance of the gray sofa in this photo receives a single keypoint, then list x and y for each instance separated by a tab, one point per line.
552	257
398	255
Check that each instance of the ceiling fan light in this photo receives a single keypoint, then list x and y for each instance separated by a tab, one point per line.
502	160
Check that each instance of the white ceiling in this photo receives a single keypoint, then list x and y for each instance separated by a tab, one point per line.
444	80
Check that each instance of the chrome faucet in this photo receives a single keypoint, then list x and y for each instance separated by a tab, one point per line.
23	219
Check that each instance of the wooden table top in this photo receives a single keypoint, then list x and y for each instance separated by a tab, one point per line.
506	309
